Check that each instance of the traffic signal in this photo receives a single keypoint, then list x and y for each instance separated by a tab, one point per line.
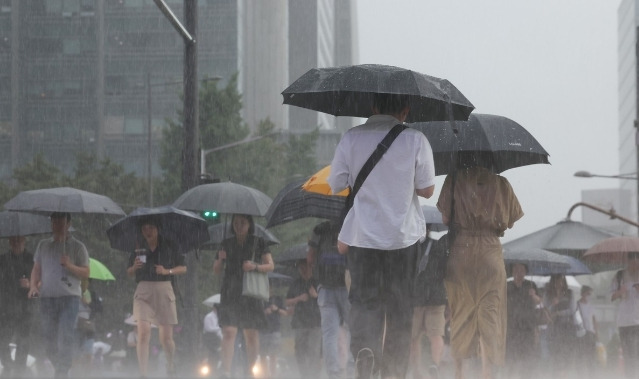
211	216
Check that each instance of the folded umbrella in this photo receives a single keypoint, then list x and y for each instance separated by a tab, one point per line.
433	218
349	91
185	230
494	142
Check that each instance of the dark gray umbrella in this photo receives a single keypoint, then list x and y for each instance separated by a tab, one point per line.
23	224
292	254
349	90
224	198
292	203
63	199
494	142
185	230
544	262
566	237
218	234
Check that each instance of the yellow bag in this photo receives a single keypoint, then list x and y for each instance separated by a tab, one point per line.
602	356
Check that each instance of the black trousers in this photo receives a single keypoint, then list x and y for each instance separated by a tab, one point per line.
18	325
381	309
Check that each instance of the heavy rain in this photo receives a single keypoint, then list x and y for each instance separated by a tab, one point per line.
175	183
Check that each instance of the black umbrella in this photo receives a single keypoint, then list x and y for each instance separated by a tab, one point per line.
292	203
184	229
218	234
224	198
349	90
494	142
293	254
63	199
23	224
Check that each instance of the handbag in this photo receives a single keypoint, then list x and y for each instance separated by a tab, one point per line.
578	321
382	147
254	283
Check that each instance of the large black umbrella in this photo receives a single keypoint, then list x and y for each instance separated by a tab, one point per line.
185	230
23	224
219	232
224	198
63	199
494	142
292	203
349	90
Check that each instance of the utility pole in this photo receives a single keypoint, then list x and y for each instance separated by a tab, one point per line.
190	319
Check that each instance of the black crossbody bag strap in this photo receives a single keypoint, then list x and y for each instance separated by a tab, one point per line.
382	147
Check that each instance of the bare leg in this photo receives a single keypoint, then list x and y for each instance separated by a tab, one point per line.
252	339
228	347
142	348
415	356
168	345
436	348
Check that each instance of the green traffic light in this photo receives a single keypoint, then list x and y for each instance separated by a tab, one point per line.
210	214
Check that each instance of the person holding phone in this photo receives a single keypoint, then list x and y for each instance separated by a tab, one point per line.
154	298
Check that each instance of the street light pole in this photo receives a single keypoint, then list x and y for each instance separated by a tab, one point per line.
205	152
149	128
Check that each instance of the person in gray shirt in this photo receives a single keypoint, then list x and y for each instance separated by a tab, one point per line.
60	263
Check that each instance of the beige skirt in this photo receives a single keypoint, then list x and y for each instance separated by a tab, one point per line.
154	302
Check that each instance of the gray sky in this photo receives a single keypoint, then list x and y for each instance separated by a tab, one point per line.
549	65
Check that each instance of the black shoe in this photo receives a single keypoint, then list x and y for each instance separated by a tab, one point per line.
433	371
365	363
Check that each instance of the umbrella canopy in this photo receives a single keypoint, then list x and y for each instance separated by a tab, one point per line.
433	218
611	253
349	91
63	199
184	229
544	262
292	203
566	237
223	230
23	224
212	300
224	198
318	183
494	142
97	270
293	254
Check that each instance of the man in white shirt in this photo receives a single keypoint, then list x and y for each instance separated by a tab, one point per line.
381	233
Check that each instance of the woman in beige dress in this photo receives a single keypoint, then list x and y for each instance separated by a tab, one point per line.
485	206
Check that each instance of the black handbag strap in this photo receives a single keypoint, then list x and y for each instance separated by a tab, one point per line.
382	147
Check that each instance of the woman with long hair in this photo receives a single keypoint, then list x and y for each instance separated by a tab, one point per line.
562	339
154	298
240	253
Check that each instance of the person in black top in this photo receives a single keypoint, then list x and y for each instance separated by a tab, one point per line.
301	300
241	253
521	334
332	296
154	298
16	312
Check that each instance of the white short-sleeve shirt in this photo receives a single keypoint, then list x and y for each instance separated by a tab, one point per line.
386	214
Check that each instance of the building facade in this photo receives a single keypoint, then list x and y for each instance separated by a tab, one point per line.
627	23
103	75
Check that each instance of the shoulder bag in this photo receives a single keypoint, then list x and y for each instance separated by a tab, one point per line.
382	147
254	283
